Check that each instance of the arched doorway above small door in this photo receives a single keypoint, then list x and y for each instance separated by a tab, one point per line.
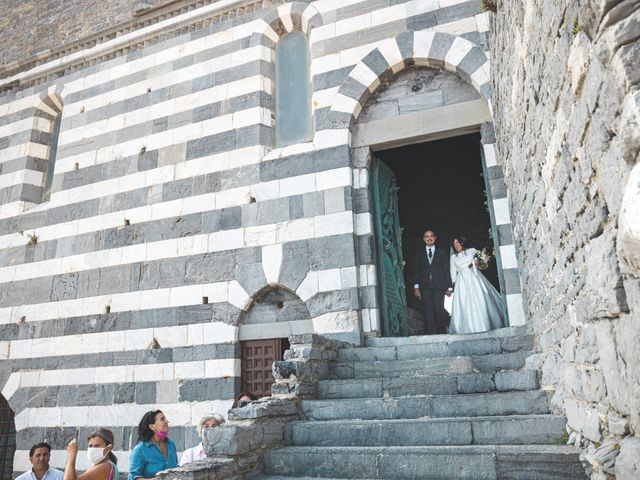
420	105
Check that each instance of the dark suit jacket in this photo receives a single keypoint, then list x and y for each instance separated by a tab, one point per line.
434	276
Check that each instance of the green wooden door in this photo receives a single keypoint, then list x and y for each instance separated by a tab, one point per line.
388	246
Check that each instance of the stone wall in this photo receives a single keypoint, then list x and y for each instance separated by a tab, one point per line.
565	102
53	24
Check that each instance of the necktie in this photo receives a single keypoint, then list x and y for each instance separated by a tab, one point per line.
430	254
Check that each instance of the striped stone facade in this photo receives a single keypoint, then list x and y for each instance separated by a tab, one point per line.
172	213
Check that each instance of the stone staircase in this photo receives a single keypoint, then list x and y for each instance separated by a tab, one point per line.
429	407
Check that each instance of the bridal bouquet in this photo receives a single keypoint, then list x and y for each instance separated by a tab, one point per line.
482	259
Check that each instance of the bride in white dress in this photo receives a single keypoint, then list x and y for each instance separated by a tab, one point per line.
477	306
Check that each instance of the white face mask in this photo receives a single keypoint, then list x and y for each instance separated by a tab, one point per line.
95	455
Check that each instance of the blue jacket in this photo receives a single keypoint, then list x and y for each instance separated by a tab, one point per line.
147	460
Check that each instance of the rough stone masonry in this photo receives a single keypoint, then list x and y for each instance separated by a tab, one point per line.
565	81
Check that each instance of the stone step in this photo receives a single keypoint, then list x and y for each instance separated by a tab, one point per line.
437	406
506	430
447	384
460	345
512	333
524	462
431	366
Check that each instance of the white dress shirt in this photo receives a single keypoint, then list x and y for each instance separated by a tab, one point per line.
52	474
193	454
430	260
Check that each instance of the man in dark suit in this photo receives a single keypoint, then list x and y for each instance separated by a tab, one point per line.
433	282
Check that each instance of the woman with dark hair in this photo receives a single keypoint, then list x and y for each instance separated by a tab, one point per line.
103	461
155	451
243	399
477	306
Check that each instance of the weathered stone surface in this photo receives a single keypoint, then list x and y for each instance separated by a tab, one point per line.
628	461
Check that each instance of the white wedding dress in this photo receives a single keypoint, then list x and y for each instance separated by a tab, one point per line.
477	306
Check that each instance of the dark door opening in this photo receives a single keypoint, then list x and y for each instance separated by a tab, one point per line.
441	186
7	439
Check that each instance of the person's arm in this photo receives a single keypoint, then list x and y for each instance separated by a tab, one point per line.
186	457
136	464
70	468
452	269
416	282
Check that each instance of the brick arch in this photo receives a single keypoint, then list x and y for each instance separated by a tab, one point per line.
427	49
283	19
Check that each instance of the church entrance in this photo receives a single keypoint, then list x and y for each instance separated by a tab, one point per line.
438	185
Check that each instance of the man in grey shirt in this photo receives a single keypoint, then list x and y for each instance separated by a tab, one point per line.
39	456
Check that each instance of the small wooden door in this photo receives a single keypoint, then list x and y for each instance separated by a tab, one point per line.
257	358
388	246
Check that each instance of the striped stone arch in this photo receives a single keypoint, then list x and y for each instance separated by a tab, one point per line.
467	60
427	49
283	19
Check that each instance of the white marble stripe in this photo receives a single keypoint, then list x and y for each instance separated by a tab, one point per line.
185	103
225	367
134	301
183	246
124	341
28	149
171	78
28	124
184	206
29	177
456	53
122	414
352	56
191	131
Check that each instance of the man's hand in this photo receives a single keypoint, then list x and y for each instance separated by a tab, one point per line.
416	293
448	293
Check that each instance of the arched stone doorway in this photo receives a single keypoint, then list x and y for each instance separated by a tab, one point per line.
261	341
462	68
7	439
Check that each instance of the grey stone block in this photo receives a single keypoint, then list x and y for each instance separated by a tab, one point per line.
548	462
251	277
422	21
420	385
440	47
145	393
475	347
366	354
515	343
500	361
511	403
425	350
518	430
388	369
350	389
520	380
475	383
199	390
382	432
295	264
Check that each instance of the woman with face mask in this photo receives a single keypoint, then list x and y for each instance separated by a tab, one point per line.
155	451
99	455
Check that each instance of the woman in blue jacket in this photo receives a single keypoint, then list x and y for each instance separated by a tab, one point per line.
154	451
